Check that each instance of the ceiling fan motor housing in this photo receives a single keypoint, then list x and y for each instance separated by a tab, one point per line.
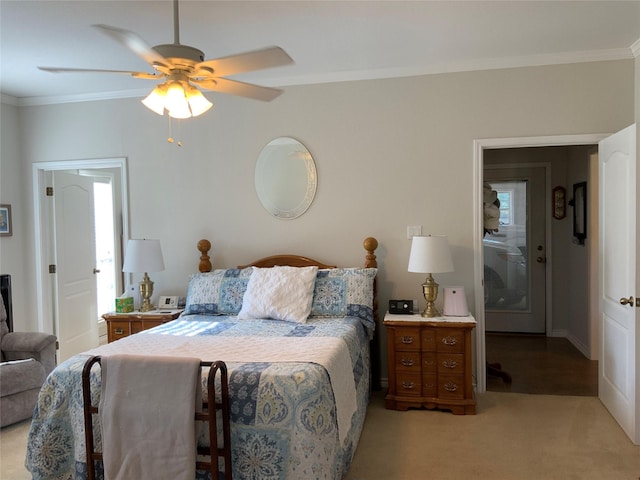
173	50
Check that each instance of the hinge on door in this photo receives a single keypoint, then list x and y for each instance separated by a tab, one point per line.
49	191
52	269
57	345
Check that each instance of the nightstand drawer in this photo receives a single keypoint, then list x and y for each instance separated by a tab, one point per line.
451	363
450	386
429	362
449	340
430	385
428	337
118	330
408	361
409	384
407	339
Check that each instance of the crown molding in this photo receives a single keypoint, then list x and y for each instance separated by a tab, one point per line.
81	97
373	74
9	100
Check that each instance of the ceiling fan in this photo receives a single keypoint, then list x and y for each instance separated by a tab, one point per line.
185	68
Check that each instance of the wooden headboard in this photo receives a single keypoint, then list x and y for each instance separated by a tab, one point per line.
204	246
370	245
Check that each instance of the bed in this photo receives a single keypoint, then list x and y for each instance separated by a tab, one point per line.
296	411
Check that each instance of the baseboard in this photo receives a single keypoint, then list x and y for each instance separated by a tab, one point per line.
558	333
584	349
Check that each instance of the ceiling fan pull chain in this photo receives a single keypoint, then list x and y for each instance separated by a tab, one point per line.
171	139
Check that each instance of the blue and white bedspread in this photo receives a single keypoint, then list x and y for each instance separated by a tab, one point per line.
298	395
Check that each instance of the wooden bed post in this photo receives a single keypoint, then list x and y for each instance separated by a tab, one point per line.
370	245
204	246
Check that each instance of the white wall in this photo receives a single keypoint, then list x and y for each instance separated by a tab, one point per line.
14	250
389	153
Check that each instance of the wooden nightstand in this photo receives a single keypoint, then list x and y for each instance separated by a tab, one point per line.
120	325
430	363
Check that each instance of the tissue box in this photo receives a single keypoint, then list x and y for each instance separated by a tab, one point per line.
124	305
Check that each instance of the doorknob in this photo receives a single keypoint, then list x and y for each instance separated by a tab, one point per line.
541	260
96	270
627	301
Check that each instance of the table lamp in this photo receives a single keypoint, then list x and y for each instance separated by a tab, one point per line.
144	256
430	254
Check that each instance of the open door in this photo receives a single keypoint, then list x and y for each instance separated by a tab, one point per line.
76	317
619	367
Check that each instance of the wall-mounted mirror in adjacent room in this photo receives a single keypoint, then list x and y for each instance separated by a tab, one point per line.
285	178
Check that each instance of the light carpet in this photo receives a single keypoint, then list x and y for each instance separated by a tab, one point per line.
513	437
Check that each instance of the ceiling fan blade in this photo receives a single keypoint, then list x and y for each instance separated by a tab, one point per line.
246	62
233	87
136	44
151	76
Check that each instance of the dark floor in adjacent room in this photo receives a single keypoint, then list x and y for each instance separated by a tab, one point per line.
540	365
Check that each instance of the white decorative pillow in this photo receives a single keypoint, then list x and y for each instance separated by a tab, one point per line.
281	293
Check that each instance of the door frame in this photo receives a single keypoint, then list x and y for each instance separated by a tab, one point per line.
42	214
479	146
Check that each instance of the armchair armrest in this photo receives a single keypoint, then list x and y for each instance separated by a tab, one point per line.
37	345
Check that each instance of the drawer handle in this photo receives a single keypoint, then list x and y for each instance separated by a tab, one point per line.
406	339
450	364
407	362
449	340
450	387
408	385
118	331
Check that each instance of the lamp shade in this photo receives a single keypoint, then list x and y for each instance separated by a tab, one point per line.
143	256
430	254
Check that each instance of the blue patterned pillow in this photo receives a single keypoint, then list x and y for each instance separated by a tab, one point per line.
344	292
217	293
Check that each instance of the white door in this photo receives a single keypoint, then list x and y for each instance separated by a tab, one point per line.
76	317
618	364
515	255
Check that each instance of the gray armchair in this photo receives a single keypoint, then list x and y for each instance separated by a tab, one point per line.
27	359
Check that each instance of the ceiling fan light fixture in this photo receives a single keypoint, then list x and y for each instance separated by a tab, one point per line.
197	101
155	101
176	101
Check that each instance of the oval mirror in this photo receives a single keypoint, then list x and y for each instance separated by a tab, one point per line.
285	178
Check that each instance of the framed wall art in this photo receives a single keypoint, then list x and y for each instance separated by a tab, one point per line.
6	229
580	212
559	203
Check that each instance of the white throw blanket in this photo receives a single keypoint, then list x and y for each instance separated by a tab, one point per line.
147	409
330	352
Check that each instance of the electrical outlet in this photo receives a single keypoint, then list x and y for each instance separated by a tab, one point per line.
413	231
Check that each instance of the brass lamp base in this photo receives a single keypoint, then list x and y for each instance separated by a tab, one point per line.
146	290
430	291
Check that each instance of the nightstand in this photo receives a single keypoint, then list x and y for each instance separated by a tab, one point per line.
429	363
120	325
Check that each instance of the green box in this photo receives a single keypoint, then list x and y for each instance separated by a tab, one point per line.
124	305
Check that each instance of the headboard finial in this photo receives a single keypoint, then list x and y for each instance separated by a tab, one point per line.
204	246
370	244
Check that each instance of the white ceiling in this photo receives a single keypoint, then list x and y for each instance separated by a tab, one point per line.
329	40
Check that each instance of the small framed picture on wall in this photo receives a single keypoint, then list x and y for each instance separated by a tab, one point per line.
580	212
5	221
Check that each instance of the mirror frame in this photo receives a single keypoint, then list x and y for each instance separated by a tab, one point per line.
267	154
